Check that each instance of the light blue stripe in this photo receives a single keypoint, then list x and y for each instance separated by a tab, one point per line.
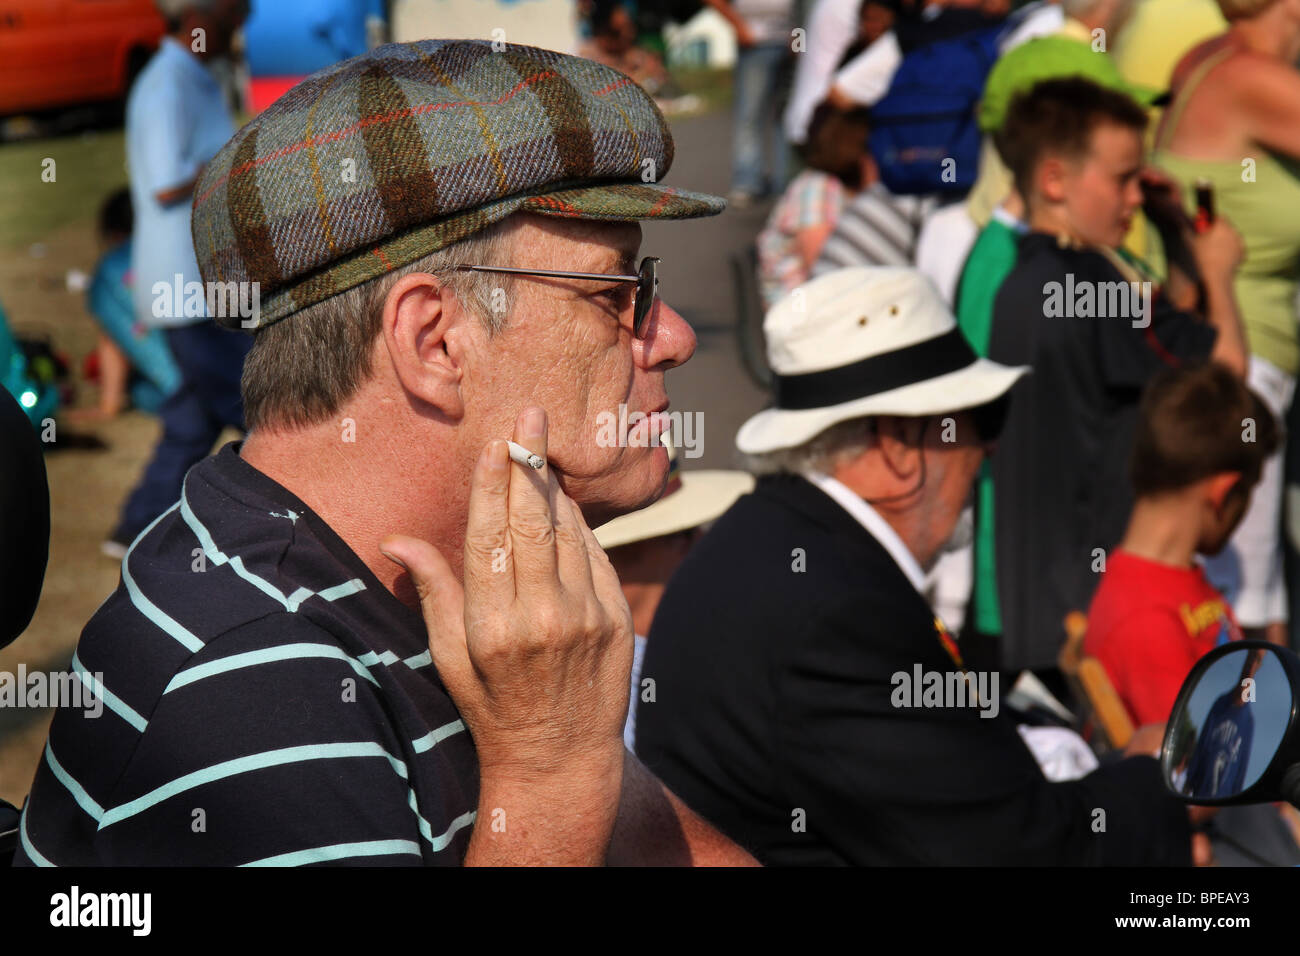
147	607
341	851
32	852
462	821
433	737
78	792
343	590
111	700
370	658
231	768
218	557
417	661
252	658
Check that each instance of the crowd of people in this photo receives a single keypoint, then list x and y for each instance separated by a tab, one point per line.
1131	247
979	255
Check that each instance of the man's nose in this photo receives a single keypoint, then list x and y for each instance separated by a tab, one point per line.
669	339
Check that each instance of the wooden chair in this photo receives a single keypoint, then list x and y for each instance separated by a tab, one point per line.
1091	685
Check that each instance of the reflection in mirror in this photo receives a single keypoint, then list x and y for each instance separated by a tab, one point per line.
1229	726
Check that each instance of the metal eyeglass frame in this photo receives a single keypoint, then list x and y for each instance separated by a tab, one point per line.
643	298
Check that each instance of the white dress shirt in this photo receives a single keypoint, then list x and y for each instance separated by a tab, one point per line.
870	519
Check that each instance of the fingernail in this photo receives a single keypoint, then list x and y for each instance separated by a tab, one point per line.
495	459
534	423
392	557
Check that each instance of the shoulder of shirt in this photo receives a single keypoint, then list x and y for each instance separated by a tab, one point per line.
1135	608
212	567
1041	257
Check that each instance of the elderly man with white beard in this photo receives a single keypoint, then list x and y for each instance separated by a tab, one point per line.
803	748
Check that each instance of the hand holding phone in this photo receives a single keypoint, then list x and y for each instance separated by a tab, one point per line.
1204	205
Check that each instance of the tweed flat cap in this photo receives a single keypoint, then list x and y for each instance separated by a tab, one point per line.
378	160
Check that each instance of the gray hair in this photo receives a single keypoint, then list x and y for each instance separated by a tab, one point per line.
302	369
823	452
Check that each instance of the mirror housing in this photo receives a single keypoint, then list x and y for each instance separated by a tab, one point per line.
1234	734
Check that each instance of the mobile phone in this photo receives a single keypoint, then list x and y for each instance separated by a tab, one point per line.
1204	204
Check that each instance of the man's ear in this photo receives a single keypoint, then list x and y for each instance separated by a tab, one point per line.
424	332
899	441
1218	486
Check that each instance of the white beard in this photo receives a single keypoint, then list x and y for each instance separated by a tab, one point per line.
963	532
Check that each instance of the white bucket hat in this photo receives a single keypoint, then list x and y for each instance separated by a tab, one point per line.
690	499
869	340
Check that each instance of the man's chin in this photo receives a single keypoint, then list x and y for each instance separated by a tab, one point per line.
629	495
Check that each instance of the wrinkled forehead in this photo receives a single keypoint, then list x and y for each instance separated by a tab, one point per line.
578	244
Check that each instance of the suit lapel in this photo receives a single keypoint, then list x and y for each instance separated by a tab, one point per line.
858	545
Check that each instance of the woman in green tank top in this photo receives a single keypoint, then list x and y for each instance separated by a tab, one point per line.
1235	121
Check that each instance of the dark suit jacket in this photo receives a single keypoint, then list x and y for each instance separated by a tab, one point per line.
773	718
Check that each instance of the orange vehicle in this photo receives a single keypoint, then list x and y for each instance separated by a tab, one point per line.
57	53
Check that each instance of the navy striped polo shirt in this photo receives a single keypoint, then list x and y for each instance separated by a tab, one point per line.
266	701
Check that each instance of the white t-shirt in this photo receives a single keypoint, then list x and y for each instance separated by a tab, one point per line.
771	20
865	79
638	658
831	28
942	247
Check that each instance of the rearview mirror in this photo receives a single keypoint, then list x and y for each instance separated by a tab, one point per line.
1232	736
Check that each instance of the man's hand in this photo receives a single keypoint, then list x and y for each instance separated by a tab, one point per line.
536	652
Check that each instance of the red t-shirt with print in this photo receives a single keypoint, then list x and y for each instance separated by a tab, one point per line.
1148	624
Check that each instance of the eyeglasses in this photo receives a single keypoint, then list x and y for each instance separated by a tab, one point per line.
643	297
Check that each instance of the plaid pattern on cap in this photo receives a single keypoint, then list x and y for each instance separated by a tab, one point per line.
376	161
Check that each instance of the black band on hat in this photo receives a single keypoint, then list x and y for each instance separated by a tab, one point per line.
925	360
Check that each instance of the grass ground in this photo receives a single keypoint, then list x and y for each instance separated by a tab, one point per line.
47	229
87	167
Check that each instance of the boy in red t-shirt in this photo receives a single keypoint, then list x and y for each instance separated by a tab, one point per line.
1201	441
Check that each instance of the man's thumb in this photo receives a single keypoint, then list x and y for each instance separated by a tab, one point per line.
442	600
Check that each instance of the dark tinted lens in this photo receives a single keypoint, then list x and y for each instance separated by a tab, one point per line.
646	288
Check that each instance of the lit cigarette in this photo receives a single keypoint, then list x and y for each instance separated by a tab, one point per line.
525	457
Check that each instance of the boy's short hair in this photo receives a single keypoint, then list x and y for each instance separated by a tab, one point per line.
1199	420
1058	116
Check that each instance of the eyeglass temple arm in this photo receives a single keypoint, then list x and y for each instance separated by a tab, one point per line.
551	273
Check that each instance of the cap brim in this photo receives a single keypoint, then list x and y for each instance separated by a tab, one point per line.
703	497
625	201
978	383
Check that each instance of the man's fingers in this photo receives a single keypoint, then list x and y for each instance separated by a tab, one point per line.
532	524
442	600
489	565
603	576
573	562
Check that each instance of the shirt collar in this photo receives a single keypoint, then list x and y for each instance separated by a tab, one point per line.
870	519
177	51
1010	221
